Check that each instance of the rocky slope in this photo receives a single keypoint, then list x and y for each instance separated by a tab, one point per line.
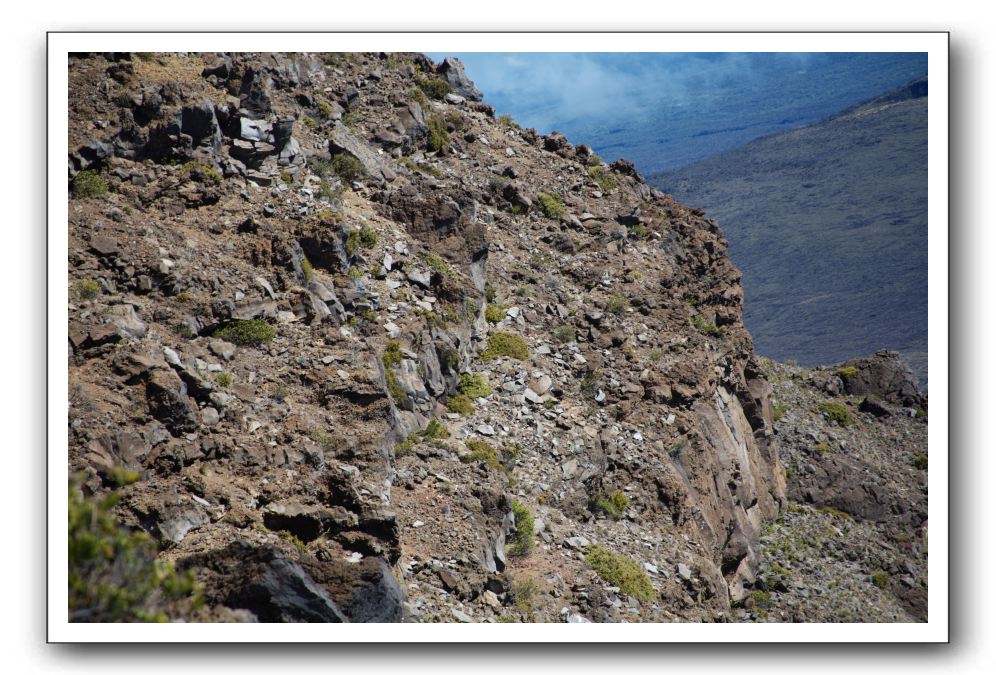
375	355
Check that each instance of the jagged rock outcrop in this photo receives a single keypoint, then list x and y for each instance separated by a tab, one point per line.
339	387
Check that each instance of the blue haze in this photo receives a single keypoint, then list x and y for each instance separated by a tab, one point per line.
664	110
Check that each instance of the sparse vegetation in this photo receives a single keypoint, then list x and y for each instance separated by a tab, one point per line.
433	87
706	327
223	379
435	431
565	334
847	372
837	413
392	354
86	289
307	270
481	451
505	344
621	571
252	332
348	168
461	404
114	575
919	462
201	172
437	264
551	205
522	540
361	237
617	303
474	385
602	178
494	313
881	579
438	136
612	504
89	184
778	410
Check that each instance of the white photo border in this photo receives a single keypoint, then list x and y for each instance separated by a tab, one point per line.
934	44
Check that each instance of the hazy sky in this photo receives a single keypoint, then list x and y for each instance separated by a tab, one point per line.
663	109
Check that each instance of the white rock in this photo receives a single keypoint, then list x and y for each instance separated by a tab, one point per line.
417	524
172	357
485	430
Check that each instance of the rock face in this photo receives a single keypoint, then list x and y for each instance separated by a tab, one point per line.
343	393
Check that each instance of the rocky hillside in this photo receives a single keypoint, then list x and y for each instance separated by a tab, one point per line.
348	348
829	225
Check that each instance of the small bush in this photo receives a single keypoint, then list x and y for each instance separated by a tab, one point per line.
114	575
474	385
309	122
433	87
287	177
363	237
437	264
762	599
87	289
778	411
837	413
307	270
565	334
505	344
323	106
522	540
847	372
392	354
348	168
394	389
223	379
919	462
602	178
246	332
551	205
706	327
460	404
612	504
881	579
481	451
201	172
89	184
617	303
435	431
438	136
507	121
495	313
621	571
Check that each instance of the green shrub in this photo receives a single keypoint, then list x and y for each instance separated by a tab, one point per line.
348	168
223	379
438	137
287	177
435	431
252	332
847	372
323	106
617	303
392	354
551	205
706	327
307	269
309	122
507	121
437	264
460	404
837	413
565	334
495	313
621	571
505	344
762	599
433	87
778	411
474	385
89	184
602	178
881	579
394	389
522	540
87	289
201	172
362	237
612	504
114	575
481	451
919	462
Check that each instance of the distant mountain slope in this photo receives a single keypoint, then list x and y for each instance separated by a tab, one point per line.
829	225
